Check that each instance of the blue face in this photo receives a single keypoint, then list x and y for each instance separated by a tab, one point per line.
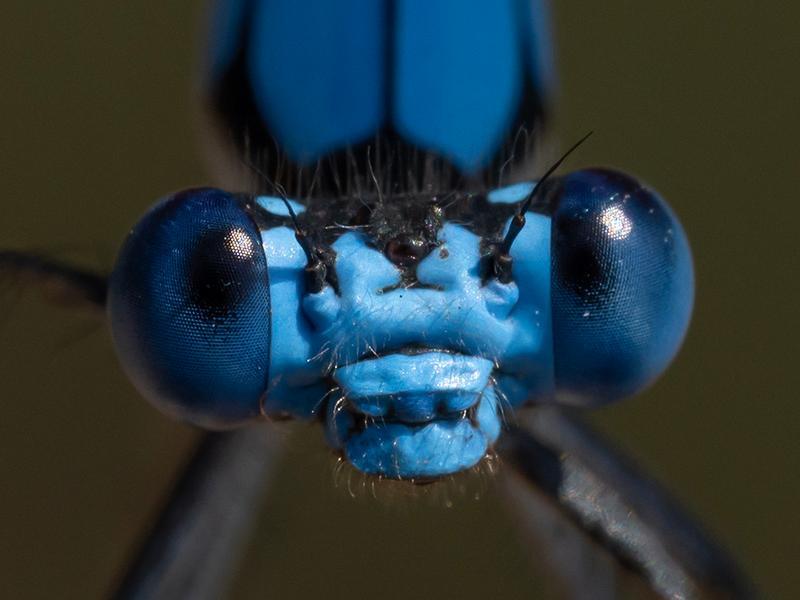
385	308
406	349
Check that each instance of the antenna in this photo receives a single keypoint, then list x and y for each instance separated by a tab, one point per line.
318	258
497	264
280	192
518	222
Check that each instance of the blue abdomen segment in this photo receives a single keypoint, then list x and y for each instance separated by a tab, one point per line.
189	308
622	285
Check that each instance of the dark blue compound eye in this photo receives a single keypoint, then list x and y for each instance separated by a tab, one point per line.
622	285
189	306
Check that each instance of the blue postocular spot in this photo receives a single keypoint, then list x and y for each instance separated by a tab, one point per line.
511	194
277	205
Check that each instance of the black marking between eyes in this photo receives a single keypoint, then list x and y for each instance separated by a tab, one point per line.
389	222
329	218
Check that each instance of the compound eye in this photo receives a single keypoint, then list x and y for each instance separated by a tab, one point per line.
189	305
622	285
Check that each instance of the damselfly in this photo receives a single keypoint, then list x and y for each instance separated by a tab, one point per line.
427	177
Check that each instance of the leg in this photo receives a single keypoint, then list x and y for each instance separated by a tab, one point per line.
563	463
59	282
198	539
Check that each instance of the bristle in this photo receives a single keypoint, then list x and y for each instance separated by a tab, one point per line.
446	492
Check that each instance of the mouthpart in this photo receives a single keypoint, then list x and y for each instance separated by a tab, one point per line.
419	415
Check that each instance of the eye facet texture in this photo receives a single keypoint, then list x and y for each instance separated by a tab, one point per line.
189	307
622	285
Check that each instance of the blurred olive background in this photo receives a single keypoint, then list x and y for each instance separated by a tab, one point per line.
99	118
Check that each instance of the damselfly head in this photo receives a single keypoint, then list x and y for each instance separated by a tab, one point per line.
375	316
